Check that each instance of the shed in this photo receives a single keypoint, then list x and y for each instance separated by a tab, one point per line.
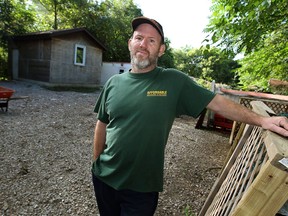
58	57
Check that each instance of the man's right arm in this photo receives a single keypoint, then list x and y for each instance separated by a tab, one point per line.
237	112
99	139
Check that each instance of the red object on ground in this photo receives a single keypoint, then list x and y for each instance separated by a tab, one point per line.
6	92
220	121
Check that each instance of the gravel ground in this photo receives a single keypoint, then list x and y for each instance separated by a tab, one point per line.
46	149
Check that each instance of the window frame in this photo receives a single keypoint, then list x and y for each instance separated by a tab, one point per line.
83	48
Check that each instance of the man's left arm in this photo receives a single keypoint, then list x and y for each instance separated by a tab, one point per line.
234	111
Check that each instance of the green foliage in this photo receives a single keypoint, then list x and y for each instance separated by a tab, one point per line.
189	60
260	30
12	12
3	64
167	60
262	65
108	21
114	29
244	25
206	63
188	211
204	83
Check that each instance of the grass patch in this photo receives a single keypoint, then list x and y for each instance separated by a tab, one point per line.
187	211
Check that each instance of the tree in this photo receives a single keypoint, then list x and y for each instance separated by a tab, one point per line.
109	21
259	29
12	12
209	64
167	60
188	60
269	62
244	25
116	28
53	11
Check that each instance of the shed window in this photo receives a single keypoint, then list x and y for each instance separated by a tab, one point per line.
79	55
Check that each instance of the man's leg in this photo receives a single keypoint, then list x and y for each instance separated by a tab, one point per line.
106	198
137	203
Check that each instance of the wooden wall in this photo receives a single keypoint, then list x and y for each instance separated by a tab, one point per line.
34	60
63	69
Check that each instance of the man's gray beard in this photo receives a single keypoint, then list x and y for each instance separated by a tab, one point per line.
141	64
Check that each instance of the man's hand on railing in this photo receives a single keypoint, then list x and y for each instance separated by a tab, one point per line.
277	124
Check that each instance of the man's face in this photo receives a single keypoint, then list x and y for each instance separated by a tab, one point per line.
145	47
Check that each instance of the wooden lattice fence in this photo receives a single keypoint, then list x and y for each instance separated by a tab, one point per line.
255	179
278	106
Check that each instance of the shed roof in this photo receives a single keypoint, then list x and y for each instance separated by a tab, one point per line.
53	33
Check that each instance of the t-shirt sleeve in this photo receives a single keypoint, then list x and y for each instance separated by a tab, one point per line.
193	99
100	107
98	102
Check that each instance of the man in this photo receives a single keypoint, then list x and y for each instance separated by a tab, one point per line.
136	111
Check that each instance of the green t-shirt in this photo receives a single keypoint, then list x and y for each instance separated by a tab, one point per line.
139	110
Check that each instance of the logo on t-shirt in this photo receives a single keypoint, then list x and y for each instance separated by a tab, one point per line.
157	93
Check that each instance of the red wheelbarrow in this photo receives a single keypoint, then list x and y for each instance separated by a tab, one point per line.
5	95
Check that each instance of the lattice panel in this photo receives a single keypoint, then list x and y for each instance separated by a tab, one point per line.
253	182
276	105
245	169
